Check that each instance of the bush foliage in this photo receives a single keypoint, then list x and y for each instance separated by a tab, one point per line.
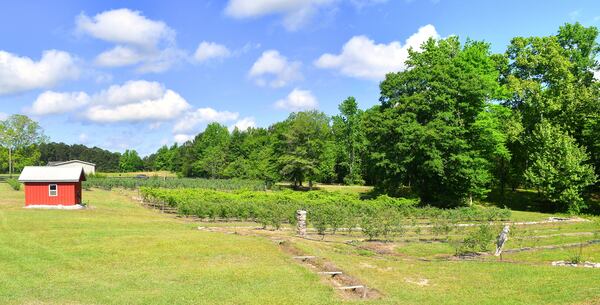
382	217
479	240
108	183
14	183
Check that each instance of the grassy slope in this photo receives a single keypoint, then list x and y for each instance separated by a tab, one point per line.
119	253
464	282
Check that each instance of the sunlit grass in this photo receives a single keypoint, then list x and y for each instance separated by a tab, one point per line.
117	252
464	282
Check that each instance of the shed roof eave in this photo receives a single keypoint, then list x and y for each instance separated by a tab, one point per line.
47	181
52	174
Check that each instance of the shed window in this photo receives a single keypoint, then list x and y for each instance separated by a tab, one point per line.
52	190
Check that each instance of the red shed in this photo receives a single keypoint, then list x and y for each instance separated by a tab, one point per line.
52	186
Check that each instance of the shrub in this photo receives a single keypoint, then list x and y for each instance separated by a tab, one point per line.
479	240
369	224
173	183
577	258
318	217
442	227
382	217
14	183
377	222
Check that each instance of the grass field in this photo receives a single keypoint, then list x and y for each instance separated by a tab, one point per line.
117	252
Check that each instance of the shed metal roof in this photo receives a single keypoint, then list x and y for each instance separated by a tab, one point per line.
52	174
57	163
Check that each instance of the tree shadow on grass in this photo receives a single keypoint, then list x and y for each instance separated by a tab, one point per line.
402	192
520	200
529	200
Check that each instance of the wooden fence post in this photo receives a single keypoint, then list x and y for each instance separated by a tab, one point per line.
502	238
301	220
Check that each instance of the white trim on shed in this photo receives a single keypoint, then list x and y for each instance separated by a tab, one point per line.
52	174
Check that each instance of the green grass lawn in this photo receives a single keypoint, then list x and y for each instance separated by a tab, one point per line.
407	280
117	252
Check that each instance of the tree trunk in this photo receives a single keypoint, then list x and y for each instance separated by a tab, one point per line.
502	182
310	184
352	162
10	169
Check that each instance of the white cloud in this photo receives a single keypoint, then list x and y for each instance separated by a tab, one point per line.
161	61
296	13
182	138
130	92
124	26
362	58
134	102
298	100
51	102
275	70
139	40
3	116
243	124
192	121
18	74
150	61
167	107
210	50
118	56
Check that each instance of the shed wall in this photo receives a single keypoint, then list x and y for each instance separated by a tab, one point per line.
36	193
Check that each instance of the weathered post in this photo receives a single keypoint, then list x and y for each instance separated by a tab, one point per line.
301	220
502	238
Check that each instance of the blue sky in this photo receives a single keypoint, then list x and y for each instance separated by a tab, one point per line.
140	74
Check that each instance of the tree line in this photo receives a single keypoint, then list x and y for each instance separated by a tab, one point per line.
105	160
23	143
457	123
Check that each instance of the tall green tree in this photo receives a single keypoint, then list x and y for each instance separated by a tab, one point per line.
303	145
163	159
210	152
495	130
557	167
20	136
551	78
422	134
349	141
251	155
130	161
